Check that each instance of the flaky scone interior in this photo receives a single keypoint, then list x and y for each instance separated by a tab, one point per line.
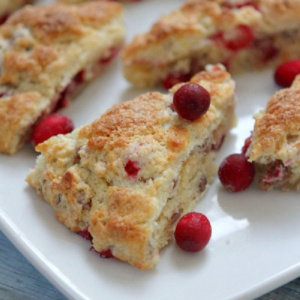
243	35
47	53
127	177
275	145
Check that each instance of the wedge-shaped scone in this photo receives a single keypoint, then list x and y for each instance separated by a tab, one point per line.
46	54
7	7
82	1
75	1
243	35
275	145
128	176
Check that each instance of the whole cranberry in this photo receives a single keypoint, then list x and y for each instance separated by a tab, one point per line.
193	232
49	126
191	101
236	173
286	72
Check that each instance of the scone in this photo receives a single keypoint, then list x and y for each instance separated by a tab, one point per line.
82	1
275	142
241	34
126	178
73	1
47	53
7	7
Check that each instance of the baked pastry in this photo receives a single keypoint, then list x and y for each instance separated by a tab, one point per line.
81	1
126	178
47	53
243	35
7	7
73	1
275	142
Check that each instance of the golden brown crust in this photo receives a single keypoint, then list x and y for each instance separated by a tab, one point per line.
41	52
188	35
277	126
13	112
275	145
83	175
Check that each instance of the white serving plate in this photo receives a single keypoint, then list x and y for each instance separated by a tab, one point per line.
255	245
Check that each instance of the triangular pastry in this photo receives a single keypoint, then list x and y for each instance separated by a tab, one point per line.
126	178
241	34
275	142
47	53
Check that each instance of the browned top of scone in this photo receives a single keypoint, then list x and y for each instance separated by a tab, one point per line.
206	17
91	161
35	37
41	49
276	132
57	21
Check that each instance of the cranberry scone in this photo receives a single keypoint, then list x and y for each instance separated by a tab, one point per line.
7	7
275	142
47	53
82	1
241	34
124	180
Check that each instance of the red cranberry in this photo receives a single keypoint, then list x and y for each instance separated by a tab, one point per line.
239	38
49	126
276	173
132	168
191	101
286	72
267	48
240	4
193	232
85	234
3	18
113	52
173	79
246	144
65	96
106	253
236	173
236	39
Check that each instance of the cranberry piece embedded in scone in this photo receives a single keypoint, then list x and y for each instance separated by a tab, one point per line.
132	168
246	144
174	78
3	18
286	72
113	52
193	232
235	39
85	234
239	38
236	173
49	126
276	173
267	49
106	253
191	101
240	4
